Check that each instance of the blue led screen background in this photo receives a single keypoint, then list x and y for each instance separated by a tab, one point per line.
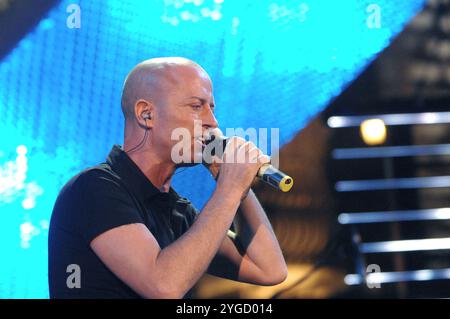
274	64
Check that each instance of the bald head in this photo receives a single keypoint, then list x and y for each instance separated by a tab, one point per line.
154	79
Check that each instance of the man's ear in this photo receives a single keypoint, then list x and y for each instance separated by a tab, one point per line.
143	112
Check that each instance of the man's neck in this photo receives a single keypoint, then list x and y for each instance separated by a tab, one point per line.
157	171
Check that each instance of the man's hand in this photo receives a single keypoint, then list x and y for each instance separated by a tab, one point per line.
239	165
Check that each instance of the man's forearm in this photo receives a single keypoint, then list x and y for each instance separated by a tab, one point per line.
183	262
256	236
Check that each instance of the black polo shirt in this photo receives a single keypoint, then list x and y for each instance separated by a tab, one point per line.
100	198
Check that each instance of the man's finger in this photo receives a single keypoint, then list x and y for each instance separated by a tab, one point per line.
264	159
245	152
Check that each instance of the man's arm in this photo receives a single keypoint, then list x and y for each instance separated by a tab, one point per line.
133	254
253	254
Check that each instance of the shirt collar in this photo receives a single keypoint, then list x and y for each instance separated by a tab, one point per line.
132	175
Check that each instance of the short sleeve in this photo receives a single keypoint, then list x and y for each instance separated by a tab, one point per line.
106	205
191	214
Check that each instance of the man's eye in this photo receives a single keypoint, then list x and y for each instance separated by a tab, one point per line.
196	106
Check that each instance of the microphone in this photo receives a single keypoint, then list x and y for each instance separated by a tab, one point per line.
267	173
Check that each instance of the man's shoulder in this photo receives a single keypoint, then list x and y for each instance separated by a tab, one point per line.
100	172
91	177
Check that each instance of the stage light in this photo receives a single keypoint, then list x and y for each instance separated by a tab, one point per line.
21	150
28	203
373	131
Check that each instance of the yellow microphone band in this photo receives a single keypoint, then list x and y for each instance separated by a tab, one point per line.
286	184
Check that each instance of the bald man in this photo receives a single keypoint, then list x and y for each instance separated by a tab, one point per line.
118	230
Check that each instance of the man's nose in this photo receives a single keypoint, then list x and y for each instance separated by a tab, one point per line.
209	119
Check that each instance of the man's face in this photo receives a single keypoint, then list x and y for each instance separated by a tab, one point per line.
188	109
